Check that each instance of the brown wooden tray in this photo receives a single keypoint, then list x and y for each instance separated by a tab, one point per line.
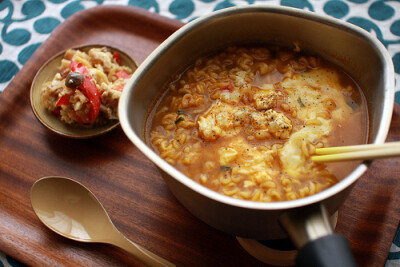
129	186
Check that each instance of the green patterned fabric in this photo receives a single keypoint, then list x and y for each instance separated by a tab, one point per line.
26	24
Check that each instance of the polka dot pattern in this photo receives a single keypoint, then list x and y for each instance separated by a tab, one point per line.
8	69
146	4
396	61
45	25
336	8
16	37
27	52
33	8
71	9
380	11
395	28
181	8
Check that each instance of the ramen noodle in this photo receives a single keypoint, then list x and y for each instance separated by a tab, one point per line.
87	88
245	121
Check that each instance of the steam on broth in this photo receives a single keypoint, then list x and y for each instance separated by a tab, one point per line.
246	120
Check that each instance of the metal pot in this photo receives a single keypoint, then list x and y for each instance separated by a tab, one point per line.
305	220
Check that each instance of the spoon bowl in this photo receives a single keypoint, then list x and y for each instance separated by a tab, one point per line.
73	211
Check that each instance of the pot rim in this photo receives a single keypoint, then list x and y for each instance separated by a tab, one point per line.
288	11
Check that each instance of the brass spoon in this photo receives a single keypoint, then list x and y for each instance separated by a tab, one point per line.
71	210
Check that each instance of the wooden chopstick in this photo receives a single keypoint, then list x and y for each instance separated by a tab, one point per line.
357	152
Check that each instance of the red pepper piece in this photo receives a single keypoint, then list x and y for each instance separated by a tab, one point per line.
228	87
79	119
64	100
57	111
117	58
122	74
89	89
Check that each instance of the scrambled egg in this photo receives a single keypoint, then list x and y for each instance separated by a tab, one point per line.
225	120
309	93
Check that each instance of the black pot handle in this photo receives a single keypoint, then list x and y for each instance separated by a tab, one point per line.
331	250
311	231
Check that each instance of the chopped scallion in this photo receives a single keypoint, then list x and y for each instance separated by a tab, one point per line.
225	168
300	102
179	120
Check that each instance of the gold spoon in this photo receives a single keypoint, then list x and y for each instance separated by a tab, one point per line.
71	210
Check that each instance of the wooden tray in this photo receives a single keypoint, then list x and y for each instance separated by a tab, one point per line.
128	185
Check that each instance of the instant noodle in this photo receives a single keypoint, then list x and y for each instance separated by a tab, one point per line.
245	121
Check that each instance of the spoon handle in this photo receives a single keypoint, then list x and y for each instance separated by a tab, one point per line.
139	252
